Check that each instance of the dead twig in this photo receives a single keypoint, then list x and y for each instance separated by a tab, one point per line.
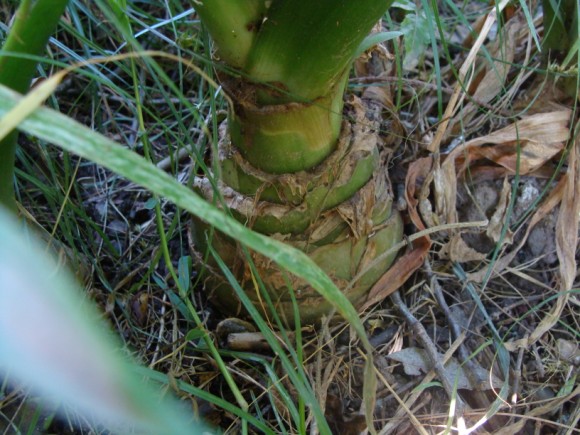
429	346
464	353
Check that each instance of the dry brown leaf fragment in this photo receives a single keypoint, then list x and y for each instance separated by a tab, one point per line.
418	172
399	272
445	189
539	137
498	219
465	76
458	251
543	210
568	191
416	361
139	306
375	61
522	146
404	267
567	227
489	82
496	73
566	243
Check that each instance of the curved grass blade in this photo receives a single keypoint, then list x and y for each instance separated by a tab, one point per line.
70	135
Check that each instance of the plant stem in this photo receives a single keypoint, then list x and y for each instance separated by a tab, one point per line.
287	138
34	23
232	24
305	48
292	59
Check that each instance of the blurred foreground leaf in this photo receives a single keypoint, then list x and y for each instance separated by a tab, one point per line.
52	339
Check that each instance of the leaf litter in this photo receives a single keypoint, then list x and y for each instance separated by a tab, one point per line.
513	163
521	176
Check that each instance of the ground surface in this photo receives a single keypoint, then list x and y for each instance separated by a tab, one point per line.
490	191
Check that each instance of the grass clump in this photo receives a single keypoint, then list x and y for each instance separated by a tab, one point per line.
494	300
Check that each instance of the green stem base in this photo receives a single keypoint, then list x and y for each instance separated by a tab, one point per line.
346	239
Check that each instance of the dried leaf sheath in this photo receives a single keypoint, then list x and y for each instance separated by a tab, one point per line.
341	220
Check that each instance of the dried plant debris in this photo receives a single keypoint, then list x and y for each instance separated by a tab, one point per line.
416	362
501	199
568	352
339	422
490	200
491	183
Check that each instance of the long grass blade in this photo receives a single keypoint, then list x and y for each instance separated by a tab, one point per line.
72	136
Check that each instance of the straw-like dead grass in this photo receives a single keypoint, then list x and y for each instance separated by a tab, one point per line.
475	327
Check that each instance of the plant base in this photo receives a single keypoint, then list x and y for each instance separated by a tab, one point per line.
346	239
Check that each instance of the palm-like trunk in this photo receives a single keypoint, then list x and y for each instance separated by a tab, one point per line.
294	161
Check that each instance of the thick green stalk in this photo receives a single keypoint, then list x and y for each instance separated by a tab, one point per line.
35	21
286	138
293	58
291	165
232	24
304	47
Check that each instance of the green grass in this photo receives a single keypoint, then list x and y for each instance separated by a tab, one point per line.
65	195
124	232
